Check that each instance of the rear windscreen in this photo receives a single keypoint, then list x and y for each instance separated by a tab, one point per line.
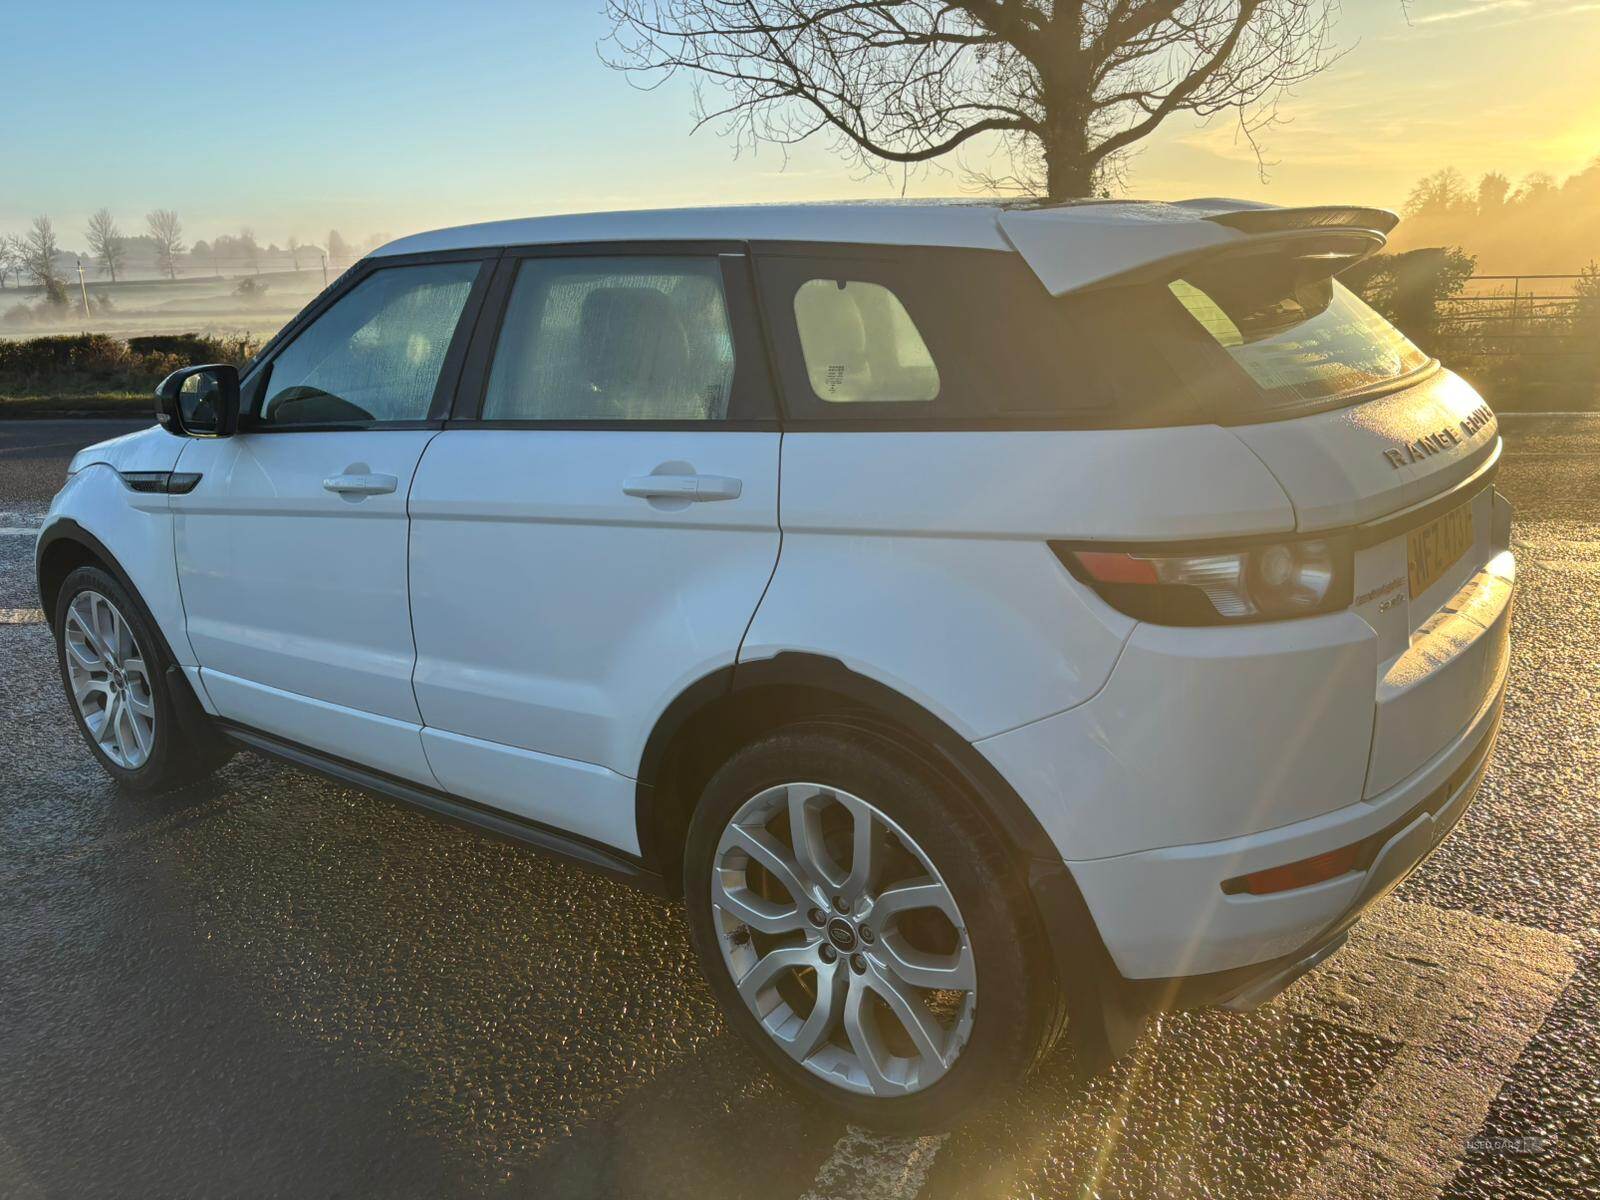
1298	344
960	337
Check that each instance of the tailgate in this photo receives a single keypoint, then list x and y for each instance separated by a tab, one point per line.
1410	473
1351	465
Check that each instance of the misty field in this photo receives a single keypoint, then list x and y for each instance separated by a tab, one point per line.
230	305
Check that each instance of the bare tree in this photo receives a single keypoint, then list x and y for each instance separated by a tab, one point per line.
10	257
338	248
106	243
38	252
248	248
167	232
1065	87
1443	192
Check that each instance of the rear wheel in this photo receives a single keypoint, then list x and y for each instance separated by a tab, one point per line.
865	929
115	672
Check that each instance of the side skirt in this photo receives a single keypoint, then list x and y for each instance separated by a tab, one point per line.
454	809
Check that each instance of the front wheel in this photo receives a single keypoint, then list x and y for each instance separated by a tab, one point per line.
865	929
114	669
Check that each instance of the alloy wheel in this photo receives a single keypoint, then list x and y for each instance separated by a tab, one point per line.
110	680
843	940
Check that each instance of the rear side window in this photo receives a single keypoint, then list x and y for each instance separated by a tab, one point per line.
860	344
376	354
613	339
946	337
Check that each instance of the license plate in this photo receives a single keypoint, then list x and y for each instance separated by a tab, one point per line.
1434	549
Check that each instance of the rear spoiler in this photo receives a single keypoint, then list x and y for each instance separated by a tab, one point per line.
1079	247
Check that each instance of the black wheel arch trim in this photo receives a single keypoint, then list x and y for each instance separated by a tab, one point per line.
1107	1013
826	674
191	714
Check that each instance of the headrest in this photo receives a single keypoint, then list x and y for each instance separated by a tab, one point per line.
632	339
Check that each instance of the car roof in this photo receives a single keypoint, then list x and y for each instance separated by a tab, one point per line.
971	224
1071	246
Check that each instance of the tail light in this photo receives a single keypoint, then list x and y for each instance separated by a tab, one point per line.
1267	581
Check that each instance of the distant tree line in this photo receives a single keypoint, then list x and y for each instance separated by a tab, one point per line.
36	258
1537	226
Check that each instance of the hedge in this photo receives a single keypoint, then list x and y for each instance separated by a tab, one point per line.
85	363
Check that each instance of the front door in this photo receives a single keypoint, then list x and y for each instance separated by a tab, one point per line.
600	538
292	547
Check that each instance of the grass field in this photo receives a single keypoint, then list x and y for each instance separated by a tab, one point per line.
91	404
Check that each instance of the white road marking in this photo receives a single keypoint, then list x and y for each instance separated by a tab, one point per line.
19	531
875	1166
21	616
1462	995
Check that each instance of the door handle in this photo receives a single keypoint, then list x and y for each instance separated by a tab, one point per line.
683	487
361	485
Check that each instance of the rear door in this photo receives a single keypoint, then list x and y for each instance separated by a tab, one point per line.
595	533
291	549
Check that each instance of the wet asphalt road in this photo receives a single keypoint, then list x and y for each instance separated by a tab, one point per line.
270	985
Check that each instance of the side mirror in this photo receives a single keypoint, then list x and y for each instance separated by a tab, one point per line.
200	401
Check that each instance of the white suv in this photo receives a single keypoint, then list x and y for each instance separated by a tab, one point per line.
993	620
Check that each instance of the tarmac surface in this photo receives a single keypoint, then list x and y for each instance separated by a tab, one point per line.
272	985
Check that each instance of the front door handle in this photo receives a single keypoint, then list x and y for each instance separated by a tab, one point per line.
361	485
683	487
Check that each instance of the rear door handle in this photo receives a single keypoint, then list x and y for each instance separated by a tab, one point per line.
361	485
683	487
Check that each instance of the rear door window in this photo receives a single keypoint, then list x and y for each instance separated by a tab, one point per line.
643	338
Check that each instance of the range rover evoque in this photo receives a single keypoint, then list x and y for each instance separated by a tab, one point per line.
997	622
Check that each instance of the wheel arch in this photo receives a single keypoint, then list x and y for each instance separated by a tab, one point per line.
65	546
724	709
735	704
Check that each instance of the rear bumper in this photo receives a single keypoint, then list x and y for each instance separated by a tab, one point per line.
1214	754
1163	914
1416	836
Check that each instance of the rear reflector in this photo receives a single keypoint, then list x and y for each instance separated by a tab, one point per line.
1316	869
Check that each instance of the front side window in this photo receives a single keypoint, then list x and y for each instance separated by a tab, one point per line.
613	339
376	354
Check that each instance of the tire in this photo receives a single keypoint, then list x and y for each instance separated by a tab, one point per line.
741	870
149	747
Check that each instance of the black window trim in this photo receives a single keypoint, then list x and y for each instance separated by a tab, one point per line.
258	373
755	386
796	418
891	417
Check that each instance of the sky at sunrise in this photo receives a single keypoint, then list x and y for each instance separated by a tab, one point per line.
390	117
